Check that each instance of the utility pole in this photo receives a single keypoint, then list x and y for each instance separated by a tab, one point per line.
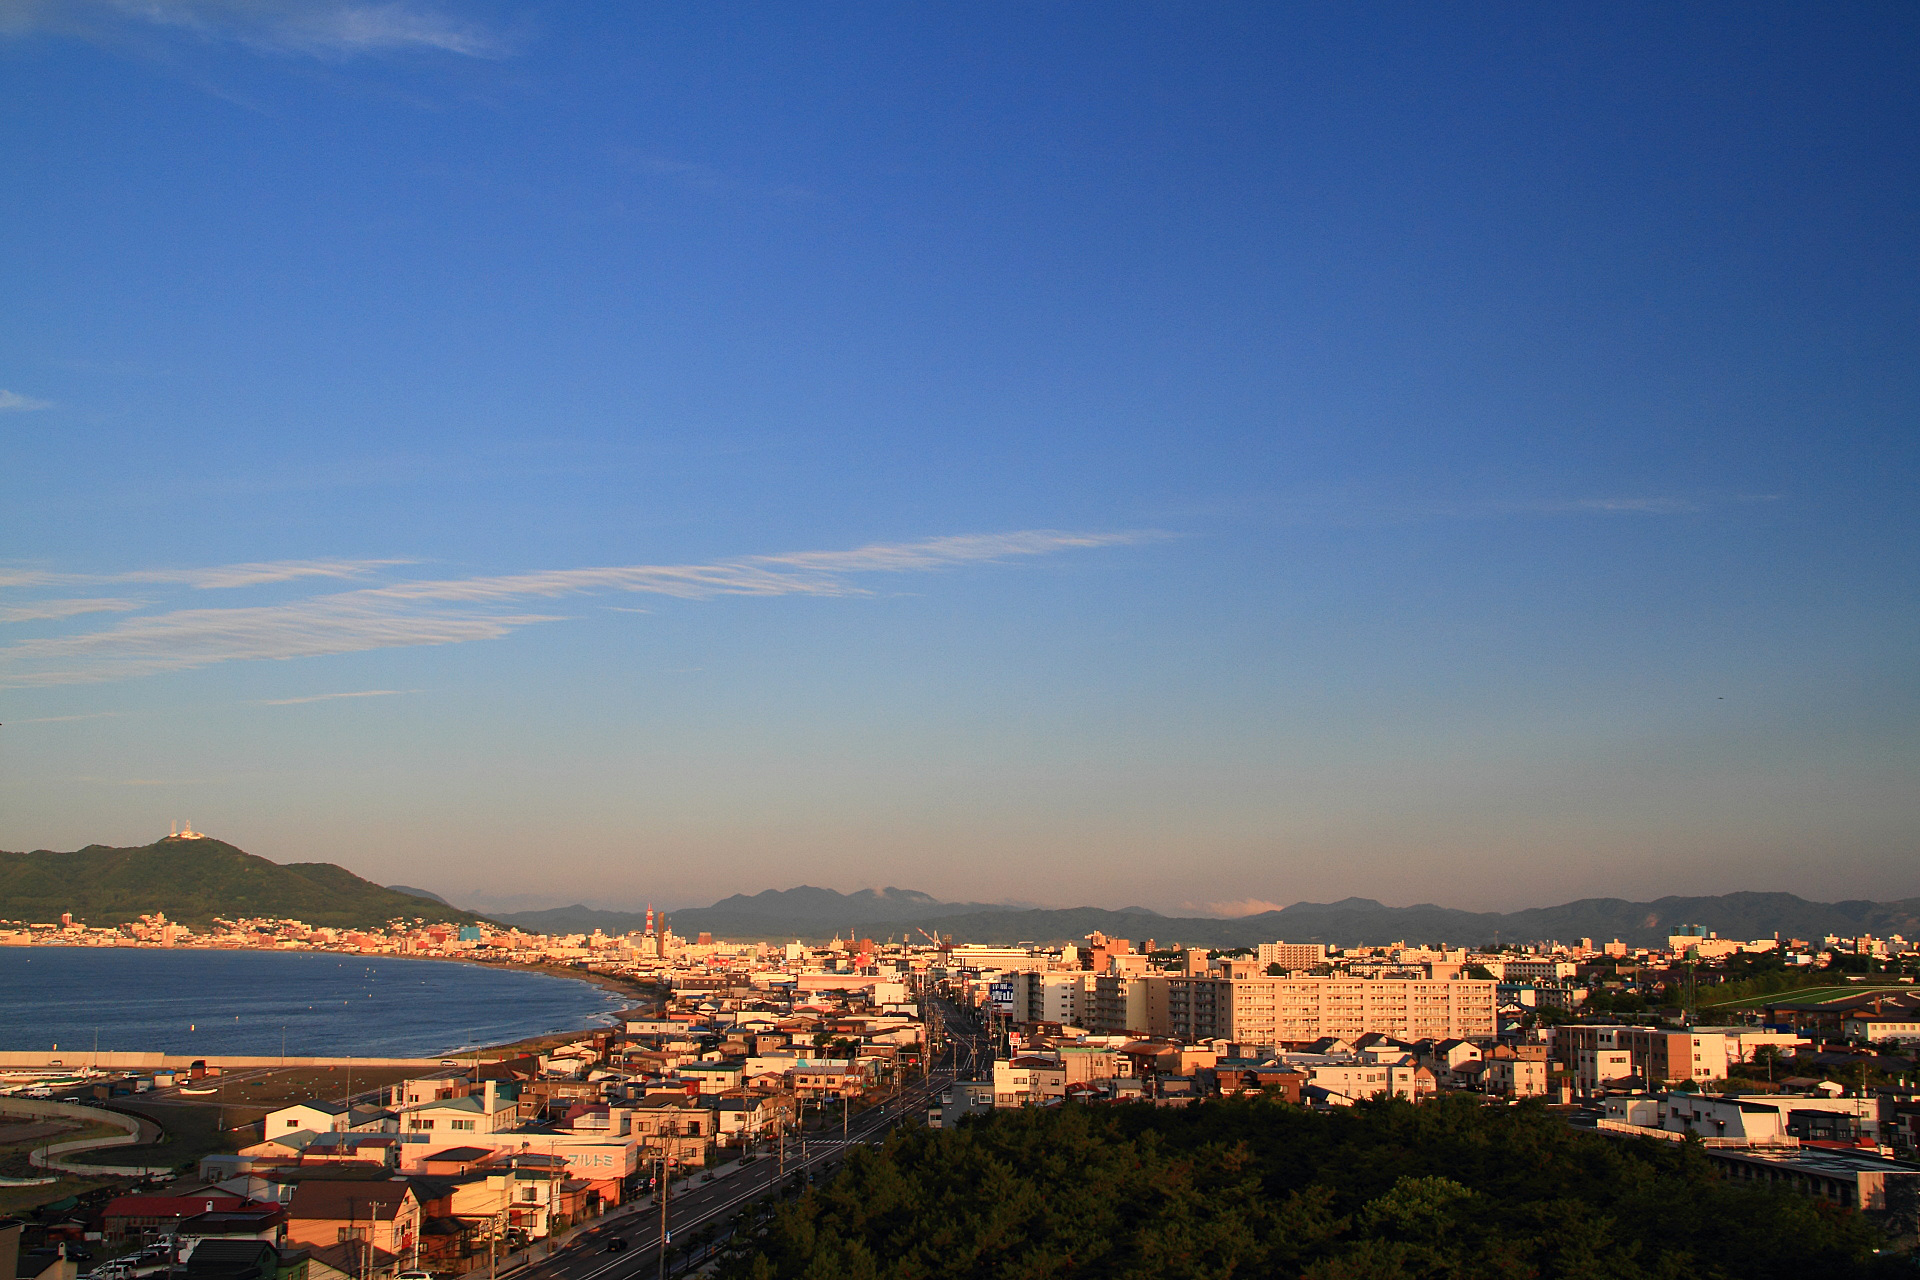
665	1237
499	1225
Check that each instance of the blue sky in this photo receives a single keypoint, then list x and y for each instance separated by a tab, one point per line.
1193	456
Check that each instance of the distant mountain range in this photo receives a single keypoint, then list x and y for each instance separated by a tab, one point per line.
811	913
194	881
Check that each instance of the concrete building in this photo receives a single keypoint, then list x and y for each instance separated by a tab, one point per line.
1301	1009
1028	1081
1344	1079
1518	1075
1053	997
1656	1055
1839	1177
1771	1117
1120	1005
1294	957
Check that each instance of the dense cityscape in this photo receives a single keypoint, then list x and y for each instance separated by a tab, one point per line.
740	1058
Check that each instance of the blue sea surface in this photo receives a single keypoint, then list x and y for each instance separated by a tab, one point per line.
245	1002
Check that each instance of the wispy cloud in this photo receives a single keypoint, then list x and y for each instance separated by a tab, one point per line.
1658	505
329	697
453	611
330	29
1629	506
219	577
143	782
14	402
90	715
1236	908
45	609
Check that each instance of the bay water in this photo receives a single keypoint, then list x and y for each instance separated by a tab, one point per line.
266	1002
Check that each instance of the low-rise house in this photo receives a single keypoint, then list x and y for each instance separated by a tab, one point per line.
488	1111
454	1161
372	1120
383	1214
531	1193
821	1081
266	1223
381	1150
280	1147
1515	1076
1455	1057
317	1117
1028	1081
1344	1079
125	1217
1878	1030
234	1259
677	1127
713	1077
1248	1075
438	1087
744	1117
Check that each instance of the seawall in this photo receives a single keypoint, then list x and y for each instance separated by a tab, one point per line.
61	1060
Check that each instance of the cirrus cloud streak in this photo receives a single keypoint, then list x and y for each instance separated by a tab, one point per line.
328	29
454	611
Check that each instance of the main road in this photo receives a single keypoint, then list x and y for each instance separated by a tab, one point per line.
695	1203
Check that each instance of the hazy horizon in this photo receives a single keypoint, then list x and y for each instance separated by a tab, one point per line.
1104	455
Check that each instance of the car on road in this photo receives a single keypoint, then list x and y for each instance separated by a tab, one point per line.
414	1275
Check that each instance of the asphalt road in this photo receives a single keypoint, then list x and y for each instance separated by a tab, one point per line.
695	1203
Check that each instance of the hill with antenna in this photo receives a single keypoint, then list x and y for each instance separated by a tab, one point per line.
195	878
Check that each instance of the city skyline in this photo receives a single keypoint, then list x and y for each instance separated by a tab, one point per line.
1191	460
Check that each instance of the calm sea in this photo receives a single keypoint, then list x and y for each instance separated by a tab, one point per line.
245	1002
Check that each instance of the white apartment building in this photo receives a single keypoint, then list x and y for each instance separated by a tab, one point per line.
1291	956
1065	998
1301	1009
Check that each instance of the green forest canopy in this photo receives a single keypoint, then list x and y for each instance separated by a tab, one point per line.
1256	1188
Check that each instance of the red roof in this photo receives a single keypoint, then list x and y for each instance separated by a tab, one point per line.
174	1206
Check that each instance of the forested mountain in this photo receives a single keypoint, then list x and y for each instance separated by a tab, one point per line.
193	881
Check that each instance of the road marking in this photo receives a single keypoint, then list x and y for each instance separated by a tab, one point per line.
872	1119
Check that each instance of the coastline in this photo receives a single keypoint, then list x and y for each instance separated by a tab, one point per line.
647	998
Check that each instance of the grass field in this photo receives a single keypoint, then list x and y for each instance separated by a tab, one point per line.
230	1119
1803	995
14	1163
190	1131
277	1088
